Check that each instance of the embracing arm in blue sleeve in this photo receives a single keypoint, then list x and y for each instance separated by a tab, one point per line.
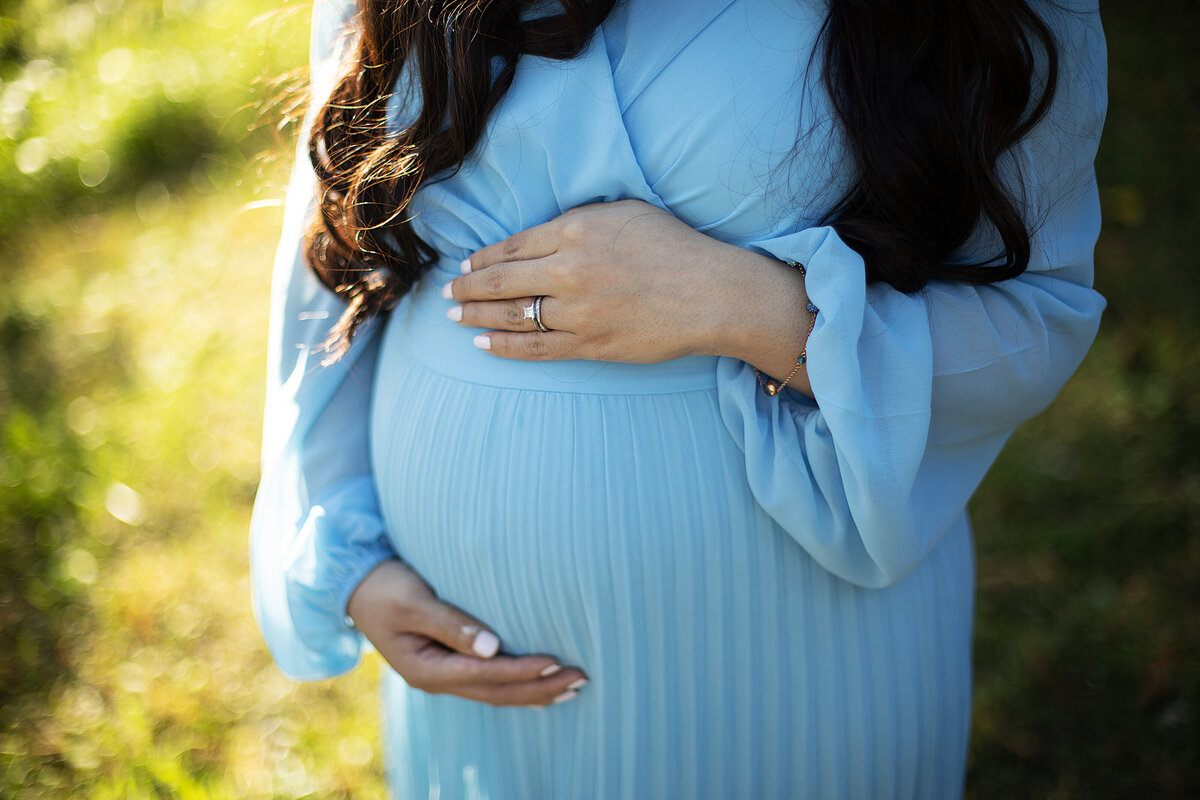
316	530
917	393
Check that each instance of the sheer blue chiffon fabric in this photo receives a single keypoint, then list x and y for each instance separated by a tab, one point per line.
772	595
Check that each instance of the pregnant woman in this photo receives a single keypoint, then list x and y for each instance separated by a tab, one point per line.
632	365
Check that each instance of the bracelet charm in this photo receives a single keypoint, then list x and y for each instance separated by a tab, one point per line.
772	387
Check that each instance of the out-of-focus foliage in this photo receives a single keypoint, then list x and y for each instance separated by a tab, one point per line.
1088	529
136	231
137	219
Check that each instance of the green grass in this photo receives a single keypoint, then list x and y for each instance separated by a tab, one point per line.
138	230
131	390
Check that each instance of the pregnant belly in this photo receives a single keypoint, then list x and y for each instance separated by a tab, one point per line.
560	503
600	513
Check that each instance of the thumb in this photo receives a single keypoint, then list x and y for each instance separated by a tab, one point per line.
456	629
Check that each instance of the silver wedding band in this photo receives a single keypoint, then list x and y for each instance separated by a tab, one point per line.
535	311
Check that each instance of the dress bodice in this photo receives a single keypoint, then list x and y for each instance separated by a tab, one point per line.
746	153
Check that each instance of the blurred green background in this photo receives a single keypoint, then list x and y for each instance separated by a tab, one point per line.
140	182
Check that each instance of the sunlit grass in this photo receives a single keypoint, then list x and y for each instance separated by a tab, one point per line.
132	399
172	689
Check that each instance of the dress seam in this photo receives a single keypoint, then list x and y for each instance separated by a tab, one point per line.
634	393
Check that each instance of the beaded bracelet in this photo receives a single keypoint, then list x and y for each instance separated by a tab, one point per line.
770	386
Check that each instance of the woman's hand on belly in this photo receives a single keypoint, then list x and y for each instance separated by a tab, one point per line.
439	649
627	281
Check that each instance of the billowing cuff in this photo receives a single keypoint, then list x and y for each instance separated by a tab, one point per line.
340	542
838	475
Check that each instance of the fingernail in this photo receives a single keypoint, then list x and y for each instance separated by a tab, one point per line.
486	644
454	313
448	291
483	341
465	266
564	697
579	684
550	670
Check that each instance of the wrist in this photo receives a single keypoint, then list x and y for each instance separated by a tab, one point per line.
765	318
726	325
764	312
358	588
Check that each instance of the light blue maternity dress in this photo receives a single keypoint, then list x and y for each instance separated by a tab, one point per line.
772	597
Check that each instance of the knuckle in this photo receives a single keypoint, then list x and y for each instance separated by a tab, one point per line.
511	247
537	347
492	282
563	273
575	229
586	307
402	606
514	315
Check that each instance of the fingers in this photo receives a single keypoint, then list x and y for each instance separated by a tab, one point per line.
543	692
453	628
502	680
509	280
440	648
393	599
448	649
431	666
552	346
536	242
546	239
510	315
518	337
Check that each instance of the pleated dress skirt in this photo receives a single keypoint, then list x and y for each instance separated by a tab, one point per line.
600	513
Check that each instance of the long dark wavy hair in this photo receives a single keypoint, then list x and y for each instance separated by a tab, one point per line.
930	95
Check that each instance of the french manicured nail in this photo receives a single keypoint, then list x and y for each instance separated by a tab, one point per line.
483	341
465	266
448	291
486	644
578	684
454	313
550	670
564	697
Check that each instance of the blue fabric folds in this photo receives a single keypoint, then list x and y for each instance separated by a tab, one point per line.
904	428
915	394
316	529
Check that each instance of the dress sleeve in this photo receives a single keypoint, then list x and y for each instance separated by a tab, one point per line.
316	529
917	393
